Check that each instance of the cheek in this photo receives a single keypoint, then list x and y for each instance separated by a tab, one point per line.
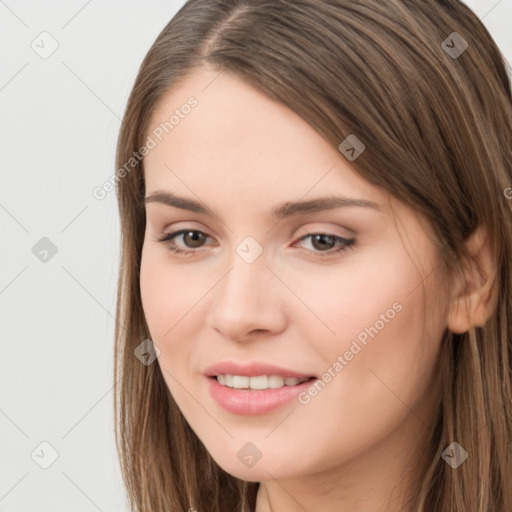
383	378
380	320
344	301
168	293
389	357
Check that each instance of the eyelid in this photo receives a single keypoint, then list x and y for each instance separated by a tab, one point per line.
296	234
349	233
321	228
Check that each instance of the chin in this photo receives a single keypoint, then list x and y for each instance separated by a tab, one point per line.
260	470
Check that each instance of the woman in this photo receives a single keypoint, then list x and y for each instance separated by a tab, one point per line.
315	286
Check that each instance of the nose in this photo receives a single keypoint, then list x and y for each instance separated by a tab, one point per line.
248	302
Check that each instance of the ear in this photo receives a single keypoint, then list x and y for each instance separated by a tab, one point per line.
473	300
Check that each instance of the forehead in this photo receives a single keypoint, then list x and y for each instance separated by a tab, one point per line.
237	139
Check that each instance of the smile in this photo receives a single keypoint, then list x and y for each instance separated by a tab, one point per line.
256	395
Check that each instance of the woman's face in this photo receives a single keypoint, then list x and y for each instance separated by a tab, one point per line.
275	290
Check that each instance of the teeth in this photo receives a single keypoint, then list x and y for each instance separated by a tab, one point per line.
275	381
259	382
240	382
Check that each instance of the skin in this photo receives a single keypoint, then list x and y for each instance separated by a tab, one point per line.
356	445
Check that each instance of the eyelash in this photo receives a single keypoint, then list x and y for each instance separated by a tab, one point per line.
346	243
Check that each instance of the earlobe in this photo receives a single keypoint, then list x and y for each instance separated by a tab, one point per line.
474	298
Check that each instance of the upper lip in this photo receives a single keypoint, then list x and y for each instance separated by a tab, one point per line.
252	369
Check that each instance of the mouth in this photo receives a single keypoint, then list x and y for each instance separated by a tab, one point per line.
256	387
256	394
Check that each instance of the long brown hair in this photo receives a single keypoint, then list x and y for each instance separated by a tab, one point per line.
437	127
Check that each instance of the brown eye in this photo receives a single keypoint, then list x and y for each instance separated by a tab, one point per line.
193	239
323	242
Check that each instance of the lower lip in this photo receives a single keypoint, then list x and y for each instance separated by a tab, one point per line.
254	401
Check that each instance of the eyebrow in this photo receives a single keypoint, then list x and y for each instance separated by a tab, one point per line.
287	209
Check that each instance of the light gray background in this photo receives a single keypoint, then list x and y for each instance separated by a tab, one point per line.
60	118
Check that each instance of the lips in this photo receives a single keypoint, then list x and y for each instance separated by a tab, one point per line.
252	401
238	400
253	369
